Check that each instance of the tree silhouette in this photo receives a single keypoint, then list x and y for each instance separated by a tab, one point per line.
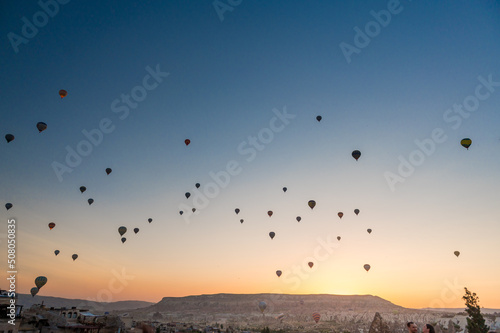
475	320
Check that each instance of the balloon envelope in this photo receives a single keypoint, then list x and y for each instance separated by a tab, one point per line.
83	189
356	154
40	281
187	194
262	306
9	137
56	252
197	185
312	203
457	253
124	239
187	142
74	256
285	189
150	220
136	230
52	225
272	234
122	230
8	205
90	201
108	171
41	127
63	93
356	211
270	213
367	267
34	291
278	272
311	264
339	238
466	142
181	212
318	118
340	214
237	210
241	221
316	316
369	231
299	218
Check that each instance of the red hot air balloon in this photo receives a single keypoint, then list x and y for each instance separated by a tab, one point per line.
52	225
63	93
187	142
316	316
311	264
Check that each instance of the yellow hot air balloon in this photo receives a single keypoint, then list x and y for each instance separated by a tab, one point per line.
466	142
40	281
311	203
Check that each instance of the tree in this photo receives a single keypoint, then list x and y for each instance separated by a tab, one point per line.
475	320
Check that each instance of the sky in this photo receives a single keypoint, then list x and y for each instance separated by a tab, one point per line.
403	82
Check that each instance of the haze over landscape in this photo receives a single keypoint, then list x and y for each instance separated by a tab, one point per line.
403	82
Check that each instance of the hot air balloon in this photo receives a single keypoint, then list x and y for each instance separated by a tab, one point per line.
8	205
181	212
51	225
74	256
9	137
150	220
318	118
262	306
197	185
340	214
63	93
356	211
136	230
122	230
278	272
108	171
466	143
367	267
310	264
193	209
40	282
339	238
56	252
34	291
41	127
237	210
316	316
124	239
285	189
298	218
356	154
270	213
187	142
90	201
83	189
457	253
187	194
312	203
369	231
272	234
241	221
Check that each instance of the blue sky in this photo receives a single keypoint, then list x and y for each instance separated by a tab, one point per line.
227	81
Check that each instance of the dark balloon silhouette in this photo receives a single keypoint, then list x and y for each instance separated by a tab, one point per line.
356	154
63	93
9	137
108	171
41	127
8	205
318	118
90	201
187	142
83	189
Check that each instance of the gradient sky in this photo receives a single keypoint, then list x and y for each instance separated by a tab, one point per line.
228	77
